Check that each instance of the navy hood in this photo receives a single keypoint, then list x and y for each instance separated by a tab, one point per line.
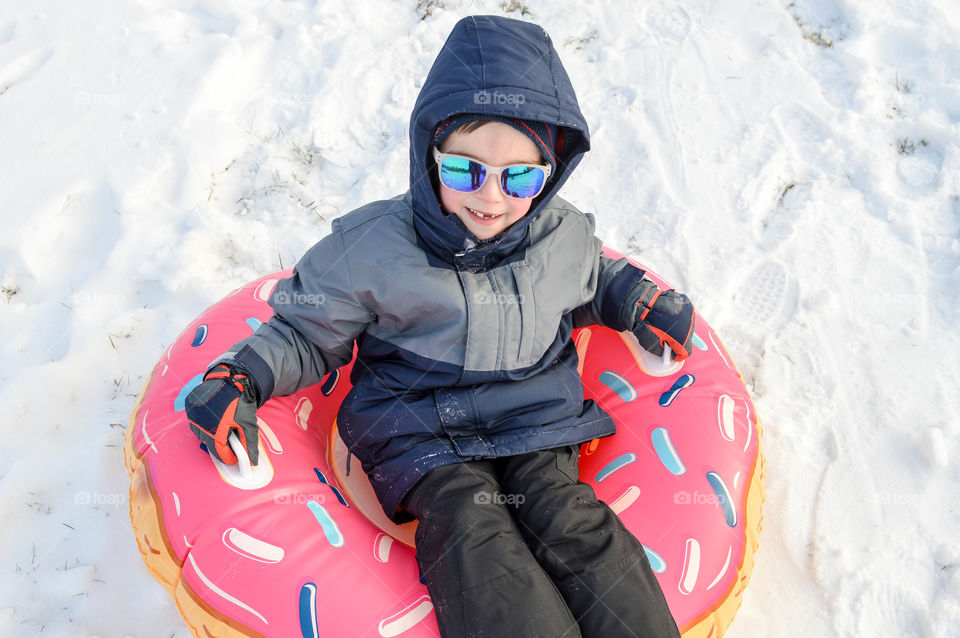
490	65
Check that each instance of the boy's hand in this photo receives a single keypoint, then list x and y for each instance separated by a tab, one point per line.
661	317
225	402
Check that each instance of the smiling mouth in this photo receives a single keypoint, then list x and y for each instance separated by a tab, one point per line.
483	216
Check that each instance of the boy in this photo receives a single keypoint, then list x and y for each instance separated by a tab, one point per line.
466	410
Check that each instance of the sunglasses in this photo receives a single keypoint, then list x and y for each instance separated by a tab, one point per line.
466	175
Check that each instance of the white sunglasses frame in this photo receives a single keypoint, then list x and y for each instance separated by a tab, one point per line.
438	157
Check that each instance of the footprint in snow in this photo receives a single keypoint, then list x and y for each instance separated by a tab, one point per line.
777	224
806	135
22	68
919	164
887	609
759	309
767	298
670	23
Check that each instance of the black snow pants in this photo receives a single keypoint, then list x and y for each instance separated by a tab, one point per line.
518	547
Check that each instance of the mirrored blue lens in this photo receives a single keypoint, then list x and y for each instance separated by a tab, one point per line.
521	181
461	174
464	175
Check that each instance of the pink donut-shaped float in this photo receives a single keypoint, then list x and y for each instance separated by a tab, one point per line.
299	546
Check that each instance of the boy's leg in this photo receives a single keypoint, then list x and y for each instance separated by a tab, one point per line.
478	569
596	563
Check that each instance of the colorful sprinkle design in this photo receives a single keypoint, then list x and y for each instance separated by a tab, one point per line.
200	336
656	560
617	464
618	384
308	611
667	454
723	498
330	529
670	395
336	492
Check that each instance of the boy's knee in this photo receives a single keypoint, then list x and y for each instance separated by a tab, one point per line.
450	487
570	511
464	517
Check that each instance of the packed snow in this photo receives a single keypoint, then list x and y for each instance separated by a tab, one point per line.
792	165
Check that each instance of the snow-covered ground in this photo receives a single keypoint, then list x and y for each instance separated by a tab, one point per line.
793	165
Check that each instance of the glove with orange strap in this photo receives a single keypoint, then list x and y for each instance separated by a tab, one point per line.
225	402
658	318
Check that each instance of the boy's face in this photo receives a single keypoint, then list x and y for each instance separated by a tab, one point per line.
497	144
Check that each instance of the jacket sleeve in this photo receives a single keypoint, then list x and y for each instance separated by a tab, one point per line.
615	278
317	318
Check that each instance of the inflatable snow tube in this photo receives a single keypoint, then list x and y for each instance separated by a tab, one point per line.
299	547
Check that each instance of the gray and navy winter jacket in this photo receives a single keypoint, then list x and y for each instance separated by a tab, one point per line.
464	347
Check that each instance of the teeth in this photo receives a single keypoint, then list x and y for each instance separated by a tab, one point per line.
482	215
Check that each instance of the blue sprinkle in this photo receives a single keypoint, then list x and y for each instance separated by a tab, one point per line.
180	402
723	498
330	383
336	492
330	529
200	336
308	611
683	382
657	563
254	323
666	452
697	341
616	464
619	385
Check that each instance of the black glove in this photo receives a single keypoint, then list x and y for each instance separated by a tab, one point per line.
225	402
660	317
